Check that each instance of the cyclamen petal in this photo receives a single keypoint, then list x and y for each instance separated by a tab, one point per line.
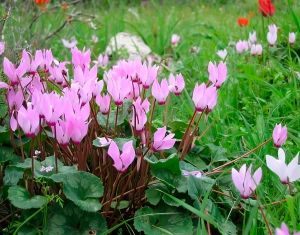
123	161
162	142
244	181
160	91
287	173
279	135
2	47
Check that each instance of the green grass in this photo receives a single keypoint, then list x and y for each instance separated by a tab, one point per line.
259	93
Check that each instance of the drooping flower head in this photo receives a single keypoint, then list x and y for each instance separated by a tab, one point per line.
286	172
161	141
28	119
272	34
121	161
244	181
241	46
176	84
205	98
217	73
175	39
139	114
292	37
160	91
279	135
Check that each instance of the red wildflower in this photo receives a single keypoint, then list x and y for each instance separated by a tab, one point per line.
41	2
266	7
242	21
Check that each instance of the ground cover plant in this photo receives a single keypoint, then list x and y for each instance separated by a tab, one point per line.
200	136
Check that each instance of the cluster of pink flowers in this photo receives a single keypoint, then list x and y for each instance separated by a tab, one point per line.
251	44
41	95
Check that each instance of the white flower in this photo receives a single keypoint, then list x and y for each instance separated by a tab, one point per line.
222	54
286	172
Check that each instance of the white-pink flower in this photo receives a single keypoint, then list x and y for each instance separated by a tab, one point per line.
161	141
286	172
244	181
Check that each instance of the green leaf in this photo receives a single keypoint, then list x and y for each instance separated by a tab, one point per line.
50	161
82	188
20	198
153	222
12	175
166	170
72	220
153	195
170	164
197	212
8	155
199	186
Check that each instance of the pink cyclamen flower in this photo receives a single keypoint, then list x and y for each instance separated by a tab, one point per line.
176	84
252	37
284	230
287	173
241	46
139	114
148	74
217	73
222	54
256	49
244	181
81	58
175	39
60	132
121	161
103	60
160	91
28	120
292	38
15	74
272	34
2	47
279	135
103	103
119	88
161	141
205	98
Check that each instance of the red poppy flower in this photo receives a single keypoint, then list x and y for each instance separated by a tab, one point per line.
41	2
242	21
266	7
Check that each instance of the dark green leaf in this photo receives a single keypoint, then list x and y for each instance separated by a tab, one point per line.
154	222
83	188
72	220
20	198
12	175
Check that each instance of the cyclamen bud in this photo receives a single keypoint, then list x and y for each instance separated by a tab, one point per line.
292	38
279	135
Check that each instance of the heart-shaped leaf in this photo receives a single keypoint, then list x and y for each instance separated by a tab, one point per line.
71	220
21	198
82	188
